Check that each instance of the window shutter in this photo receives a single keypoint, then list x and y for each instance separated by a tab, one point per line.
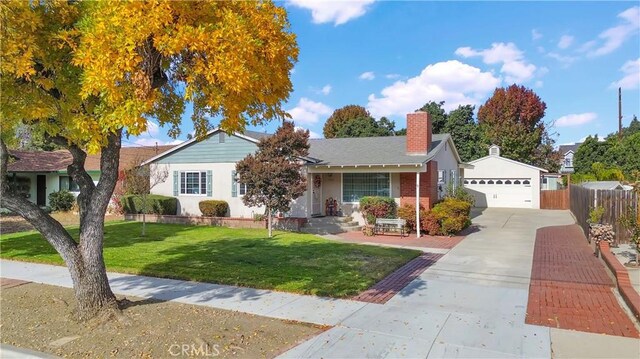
176	183
209	180
234	184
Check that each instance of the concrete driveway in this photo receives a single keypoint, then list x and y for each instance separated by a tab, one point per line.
471	303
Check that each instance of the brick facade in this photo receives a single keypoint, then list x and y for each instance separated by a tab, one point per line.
428	187
418	133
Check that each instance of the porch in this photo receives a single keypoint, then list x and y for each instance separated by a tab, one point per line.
336	191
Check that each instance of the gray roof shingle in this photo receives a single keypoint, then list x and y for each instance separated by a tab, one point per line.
389	150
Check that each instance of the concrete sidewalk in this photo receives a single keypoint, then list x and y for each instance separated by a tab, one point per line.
303	308
471	303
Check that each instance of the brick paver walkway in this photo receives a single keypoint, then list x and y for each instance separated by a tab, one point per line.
384	290
6	283
570	288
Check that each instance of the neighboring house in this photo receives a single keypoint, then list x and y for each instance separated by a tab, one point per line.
496	181
606	185
341	169
551	181
567	152
37	174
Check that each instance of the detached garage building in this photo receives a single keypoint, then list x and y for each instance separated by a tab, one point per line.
496	181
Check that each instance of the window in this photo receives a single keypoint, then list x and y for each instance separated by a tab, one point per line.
357	185
242	188
441	176
67	183
490	182
507	182
516	182
193	183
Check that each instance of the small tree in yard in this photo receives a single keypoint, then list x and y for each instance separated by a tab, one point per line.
86	73
273	174
140	180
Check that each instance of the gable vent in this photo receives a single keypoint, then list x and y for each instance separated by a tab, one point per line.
494	151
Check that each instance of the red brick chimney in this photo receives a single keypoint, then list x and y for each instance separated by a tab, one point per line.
418	133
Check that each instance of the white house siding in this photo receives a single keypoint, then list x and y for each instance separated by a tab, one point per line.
447	162
498	168
221	189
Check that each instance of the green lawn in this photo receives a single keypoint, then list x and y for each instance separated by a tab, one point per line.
291	262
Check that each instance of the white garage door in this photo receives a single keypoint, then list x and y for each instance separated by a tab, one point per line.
501	192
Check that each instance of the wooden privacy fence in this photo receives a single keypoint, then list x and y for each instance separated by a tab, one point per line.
615	203
554	199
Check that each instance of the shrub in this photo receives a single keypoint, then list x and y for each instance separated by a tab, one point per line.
213	208
156	204
373	207
460	193
408	213
61	201
447	217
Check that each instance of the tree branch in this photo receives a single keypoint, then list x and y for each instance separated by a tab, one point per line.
51	229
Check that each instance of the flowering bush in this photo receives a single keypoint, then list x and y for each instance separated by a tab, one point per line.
377	207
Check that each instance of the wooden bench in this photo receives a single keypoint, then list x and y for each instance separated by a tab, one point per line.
384	225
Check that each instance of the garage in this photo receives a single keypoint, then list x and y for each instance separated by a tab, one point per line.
496	181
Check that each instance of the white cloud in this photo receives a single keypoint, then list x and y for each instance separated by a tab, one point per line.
612	38
535	34
631	79
326	89
565	41
575	119
392	76
565	60
452	81
369	75
146	141
312	134
309	112
337	12
152	128
514	66
539	84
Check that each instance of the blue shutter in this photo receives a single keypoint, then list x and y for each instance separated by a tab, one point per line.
234	184
176	183
209	180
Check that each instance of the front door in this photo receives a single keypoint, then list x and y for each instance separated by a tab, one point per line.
41	190
316	195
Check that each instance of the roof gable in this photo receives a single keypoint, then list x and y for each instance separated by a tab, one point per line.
500	158
216	147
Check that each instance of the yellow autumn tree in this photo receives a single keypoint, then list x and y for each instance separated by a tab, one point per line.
85	73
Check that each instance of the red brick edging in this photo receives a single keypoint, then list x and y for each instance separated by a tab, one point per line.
628	293
385	289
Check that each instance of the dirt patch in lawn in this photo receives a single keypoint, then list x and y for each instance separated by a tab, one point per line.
14	223
37	317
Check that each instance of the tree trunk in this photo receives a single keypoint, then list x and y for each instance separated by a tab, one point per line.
269	221
90	285
84	259
144	214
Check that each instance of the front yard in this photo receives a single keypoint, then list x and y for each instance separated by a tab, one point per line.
290	262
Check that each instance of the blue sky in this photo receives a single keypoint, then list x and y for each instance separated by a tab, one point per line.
392	57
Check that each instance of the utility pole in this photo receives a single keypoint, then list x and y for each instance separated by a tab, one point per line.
619	112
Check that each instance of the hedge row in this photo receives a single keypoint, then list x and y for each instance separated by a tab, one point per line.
156	204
